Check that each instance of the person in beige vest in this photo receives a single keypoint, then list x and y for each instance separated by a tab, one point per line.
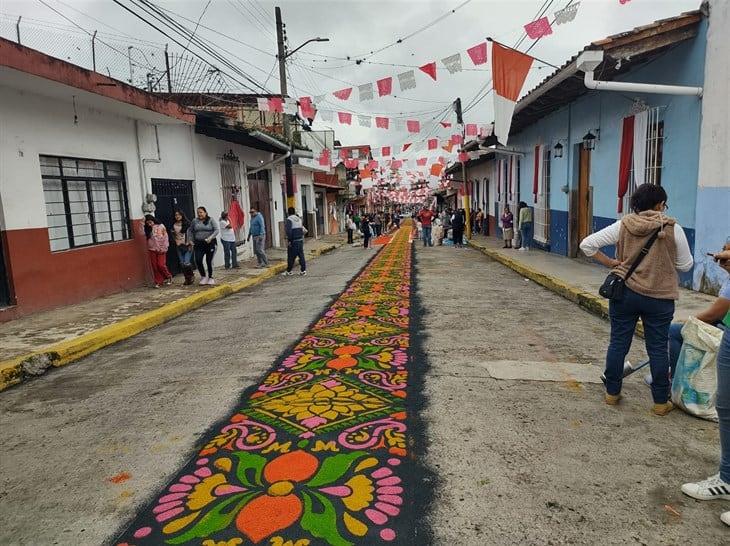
650	291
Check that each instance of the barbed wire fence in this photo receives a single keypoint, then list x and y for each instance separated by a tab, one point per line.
146	65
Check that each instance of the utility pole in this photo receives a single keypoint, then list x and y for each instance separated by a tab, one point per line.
467	204
288	171
167	70
93	51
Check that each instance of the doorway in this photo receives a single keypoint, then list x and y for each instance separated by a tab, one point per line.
305	210
4	277
173	195
320	207
259	196
584	194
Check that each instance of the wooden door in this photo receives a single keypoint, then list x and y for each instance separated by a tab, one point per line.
584	195
260	198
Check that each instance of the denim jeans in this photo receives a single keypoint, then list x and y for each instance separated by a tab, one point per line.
295	250
230	257
656	315
723	404
526	233
427	241
675	345
184	254
259	244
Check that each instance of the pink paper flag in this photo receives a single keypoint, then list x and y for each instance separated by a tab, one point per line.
351	164
463	157
413	125
430	69
382	123
457	139
478	53
421	161
345	118
471	129
385	86
343	94
372	164
406	146
276	104
445	124
324	159
306	107
385	151
538	29
433	143
396	164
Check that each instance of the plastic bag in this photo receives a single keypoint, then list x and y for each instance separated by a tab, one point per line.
694	386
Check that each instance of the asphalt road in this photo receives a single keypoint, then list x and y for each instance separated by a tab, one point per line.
516	461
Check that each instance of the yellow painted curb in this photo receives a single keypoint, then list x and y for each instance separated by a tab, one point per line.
14	370
591	302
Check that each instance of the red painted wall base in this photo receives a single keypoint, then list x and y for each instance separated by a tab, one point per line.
41	279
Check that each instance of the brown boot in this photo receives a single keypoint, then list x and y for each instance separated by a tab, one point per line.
662	409
612	399
189	275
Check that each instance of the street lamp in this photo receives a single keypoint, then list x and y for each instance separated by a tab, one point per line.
589	141
558	151
318	39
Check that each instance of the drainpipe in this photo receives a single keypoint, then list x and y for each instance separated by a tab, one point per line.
143	161
268	164
588	61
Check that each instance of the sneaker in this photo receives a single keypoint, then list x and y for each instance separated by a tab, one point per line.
303	273
710	489
203	280
158	286
725	518
648	379
662	409
612	399
211	282
286	274
168	281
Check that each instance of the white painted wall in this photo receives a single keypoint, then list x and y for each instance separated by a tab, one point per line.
34	125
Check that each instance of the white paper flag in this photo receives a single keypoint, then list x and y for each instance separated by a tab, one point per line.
263	104
566	15
290	107
453	63
327	115
364	121
407	80
399	124
365	91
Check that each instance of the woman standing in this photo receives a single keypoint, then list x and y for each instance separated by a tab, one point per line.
524	219
228	240
650	291
183	246
203	232
350	226
508	231
457	225
157	244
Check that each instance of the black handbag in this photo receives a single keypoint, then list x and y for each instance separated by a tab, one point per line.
614	285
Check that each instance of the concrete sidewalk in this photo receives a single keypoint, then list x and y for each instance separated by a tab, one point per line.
575	280
29	346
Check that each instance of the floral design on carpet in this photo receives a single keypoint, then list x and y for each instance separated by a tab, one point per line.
316	453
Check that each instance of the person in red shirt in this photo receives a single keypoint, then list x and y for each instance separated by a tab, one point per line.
426	217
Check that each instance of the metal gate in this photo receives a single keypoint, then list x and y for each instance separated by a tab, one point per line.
173	195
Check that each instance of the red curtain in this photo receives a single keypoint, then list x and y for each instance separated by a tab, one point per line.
625	160
536	180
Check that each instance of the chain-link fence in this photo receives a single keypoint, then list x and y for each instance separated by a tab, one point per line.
146	65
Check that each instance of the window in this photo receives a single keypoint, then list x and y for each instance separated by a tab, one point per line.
542	206
86	202
654	150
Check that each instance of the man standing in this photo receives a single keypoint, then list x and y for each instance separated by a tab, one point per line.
257	230
295	232
426	218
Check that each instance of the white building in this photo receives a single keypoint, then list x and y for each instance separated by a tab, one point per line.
80	156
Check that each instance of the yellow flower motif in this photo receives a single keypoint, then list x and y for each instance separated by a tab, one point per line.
362	493
202	492
278	541
325	401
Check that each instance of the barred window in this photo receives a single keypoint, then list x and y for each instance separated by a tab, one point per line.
86	202
654	156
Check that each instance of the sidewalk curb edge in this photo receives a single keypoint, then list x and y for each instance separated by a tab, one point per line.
14	370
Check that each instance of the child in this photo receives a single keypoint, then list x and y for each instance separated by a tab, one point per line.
508	232
157	244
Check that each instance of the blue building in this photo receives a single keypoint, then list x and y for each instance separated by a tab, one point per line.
564	155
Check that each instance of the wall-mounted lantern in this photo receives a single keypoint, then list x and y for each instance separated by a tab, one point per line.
589	141
558	150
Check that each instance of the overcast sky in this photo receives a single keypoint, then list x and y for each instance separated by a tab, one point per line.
354	28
